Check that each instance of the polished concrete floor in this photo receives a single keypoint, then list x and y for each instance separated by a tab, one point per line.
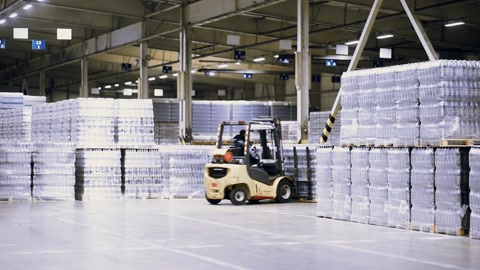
191	234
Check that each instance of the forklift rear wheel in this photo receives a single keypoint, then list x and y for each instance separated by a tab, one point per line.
213	201
284	191
238	196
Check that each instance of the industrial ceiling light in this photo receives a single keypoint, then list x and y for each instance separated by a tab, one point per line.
457	23
353	42
27	6
175	74
237	63
117	85
128	83
163	77
259	59
151	79
222	66
13	15
108	86
2	21
276	56
385	36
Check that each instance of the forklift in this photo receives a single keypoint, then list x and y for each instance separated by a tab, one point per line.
251	170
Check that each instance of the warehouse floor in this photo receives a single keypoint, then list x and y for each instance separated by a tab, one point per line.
191	234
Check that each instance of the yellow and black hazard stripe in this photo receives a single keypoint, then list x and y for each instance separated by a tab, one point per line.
327	129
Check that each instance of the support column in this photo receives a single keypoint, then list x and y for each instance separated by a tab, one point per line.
84	79
302	78
184	83
143	80
41	83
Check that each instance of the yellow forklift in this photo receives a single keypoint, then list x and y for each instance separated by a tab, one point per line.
249	170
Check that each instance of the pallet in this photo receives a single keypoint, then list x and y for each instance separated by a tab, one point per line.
452	231
14	199
422	228
402	226
459	142
307	200
52	199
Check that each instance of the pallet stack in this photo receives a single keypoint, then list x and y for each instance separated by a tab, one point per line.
451	190
324	179
474	196
360	185
378	186
398	180
423	189
15	171
53	171
341	172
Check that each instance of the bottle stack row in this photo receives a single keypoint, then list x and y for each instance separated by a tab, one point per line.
411	105
42	171
146	175
98	174
95	122
300	162
186	167
316	124
15	171
16	124
53	171
425	189
474	196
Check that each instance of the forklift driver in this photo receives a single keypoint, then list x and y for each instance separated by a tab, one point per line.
239	142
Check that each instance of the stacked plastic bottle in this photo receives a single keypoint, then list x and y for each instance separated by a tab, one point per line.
144	174
449	100
407	106
378	188
15	171
316	124
367	111
41	122
385	93
306	171
398	176
289	131
324	181
54	171
166	133
350	103
422	194
134	123
360	183
10	100
186	166
474	185
98	174
16	124
452	192
92	122
341	169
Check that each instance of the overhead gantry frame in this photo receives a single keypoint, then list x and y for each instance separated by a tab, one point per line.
427	46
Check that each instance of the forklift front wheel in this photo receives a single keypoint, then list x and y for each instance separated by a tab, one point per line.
284	191
238	196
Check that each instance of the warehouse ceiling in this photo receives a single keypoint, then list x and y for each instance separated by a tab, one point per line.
260	27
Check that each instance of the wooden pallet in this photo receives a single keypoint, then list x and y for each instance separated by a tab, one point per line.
422	228
459	142
307	200
450	231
